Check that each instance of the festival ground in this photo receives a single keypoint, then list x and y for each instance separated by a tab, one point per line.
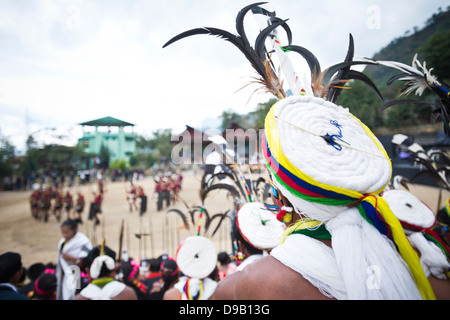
160	231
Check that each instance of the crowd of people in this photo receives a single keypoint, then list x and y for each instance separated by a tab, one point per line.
86	272
167	189
61	202
101	273
136	197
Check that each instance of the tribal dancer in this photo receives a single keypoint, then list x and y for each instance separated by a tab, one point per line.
58	205
79	206
68	204
342	240
34	201
257	231
132	196
129	274
103	285
44	203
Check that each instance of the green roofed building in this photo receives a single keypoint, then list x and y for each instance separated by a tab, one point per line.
115	135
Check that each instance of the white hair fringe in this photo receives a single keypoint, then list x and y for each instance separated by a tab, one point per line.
432	259
362	253
368	262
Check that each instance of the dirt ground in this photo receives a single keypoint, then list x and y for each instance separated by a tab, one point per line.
162	231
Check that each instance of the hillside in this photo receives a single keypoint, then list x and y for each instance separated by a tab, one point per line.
404	48
432	43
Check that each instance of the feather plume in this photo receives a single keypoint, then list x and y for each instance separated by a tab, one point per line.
219	186
398	181
268	77
310	58
438	174
221	217
404	101
343	73
323	81
183	217
417	78
206	215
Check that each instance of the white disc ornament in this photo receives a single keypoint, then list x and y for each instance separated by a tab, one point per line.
196	257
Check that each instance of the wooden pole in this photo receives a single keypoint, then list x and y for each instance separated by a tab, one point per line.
152	244
439	200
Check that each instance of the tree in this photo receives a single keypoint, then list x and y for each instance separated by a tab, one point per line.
31	143
228	117
104	156
259	115
56	158
362	103
119	165
7	151
436	53
161	144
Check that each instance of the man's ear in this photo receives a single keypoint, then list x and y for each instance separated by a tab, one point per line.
285	201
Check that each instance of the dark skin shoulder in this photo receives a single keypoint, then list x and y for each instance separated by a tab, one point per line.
127	294
440	287
279	283
225	287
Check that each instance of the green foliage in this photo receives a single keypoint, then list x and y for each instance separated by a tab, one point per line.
58	158
432	43
155	149
6	157
403	49
161	144
436	52
119	164
228	118
104	156
362	103
259	115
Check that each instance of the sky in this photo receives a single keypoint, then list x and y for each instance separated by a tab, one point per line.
66	62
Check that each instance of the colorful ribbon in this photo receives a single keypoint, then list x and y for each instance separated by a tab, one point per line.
197	296
430	235
133	272
200	221
311	228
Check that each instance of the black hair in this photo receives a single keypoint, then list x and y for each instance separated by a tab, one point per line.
443	217
47	284
72	224
238	237
223	258
35	270
10	263
95	252
155	265
23	275
172	276
126	268
104	271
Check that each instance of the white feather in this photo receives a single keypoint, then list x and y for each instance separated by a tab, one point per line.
420	79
